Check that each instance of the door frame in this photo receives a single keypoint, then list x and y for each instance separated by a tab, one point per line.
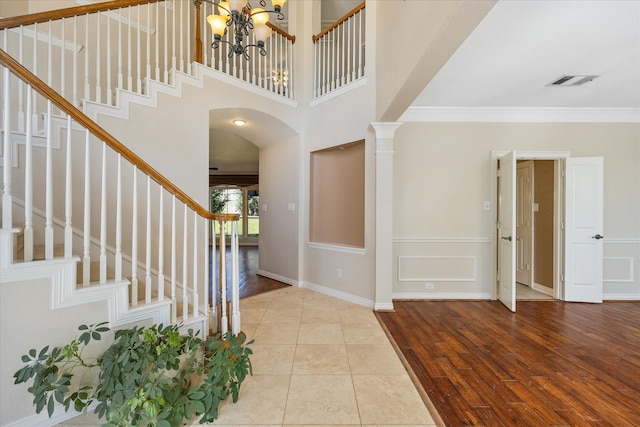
558	246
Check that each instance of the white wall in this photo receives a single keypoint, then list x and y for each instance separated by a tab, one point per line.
443	175
42	326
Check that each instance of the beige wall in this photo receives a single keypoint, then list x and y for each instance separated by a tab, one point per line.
337	196
543	195
443	175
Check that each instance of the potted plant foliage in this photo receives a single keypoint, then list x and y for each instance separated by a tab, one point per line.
151	376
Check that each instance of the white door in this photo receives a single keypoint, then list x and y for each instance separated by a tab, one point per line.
524	223
583	229
507	231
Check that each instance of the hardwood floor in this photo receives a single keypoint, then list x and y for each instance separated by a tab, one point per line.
250	282
550	364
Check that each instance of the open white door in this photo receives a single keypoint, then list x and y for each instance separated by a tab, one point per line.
507	231
583	229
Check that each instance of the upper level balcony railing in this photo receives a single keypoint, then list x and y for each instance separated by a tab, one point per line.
339	53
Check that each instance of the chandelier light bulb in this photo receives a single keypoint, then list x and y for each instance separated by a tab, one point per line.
259	16
218	25
237	5
224	9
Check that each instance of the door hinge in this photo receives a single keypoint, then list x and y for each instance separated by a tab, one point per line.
499	173
562	278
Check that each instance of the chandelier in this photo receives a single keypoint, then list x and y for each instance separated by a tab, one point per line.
239	17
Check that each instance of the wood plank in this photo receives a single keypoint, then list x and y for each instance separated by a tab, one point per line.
550	364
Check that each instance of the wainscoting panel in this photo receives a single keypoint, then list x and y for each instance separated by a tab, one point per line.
437	268
442	268
621	262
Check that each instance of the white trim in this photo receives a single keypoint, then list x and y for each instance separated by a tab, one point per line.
58	417
340	91
441	296
383	306
337	248
44	37
621	297
542	289
339	294
521	115
473	278
629	261
283	279
482	240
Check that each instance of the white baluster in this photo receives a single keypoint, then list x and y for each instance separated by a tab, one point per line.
174	301
224	321
173	39
235	286
7	200
48	227
86	59
196	297
180	30
63	68
49	55
109	89
161	247
120	73
185	279
68	206
28	183
118	254
34	104
138	58
74	72
147	277
103	217
188	33
214	289
129	50
134	240
148	69
157	41
98	56
361	45
206	256
165	47
86	242
20	82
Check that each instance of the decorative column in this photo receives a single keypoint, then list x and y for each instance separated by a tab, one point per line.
197	55
384	214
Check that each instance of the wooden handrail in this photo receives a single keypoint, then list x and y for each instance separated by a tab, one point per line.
52	15
282	32
339	21
104	136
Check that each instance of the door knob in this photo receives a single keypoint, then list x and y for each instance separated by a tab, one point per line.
507	238
598	237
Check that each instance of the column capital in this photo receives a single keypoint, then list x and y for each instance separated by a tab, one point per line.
385	130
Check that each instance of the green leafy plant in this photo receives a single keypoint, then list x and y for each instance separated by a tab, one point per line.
149	376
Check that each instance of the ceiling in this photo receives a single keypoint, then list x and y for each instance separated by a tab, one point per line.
509	61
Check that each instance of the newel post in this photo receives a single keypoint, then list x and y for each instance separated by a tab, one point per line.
198	46
385	132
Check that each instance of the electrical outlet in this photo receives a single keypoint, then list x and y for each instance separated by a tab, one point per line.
429	286
339	272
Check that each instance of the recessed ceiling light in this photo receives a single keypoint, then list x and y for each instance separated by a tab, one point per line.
239	122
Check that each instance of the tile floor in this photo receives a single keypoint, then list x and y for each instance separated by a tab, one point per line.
317	361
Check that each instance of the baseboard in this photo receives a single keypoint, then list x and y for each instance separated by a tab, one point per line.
339	294
542	289
42	419
621	297
279	278
441	296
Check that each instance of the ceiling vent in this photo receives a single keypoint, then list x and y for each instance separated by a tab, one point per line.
573	79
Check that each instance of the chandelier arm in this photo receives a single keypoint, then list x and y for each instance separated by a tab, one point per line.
260	48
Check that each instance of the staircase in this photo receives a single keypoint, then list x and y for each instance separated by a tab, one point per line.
125	224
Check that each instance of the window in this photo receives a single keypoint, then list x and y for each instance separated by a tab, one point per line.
244	201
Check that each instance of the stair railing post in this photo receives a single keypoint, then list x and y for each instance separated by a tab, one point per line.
198	46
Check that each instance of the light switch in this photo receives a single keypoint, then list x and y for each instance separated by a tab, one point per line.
264	207
536	208
291	207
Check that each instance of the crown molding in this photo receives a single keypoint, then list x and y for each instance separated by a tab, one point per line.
521	115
